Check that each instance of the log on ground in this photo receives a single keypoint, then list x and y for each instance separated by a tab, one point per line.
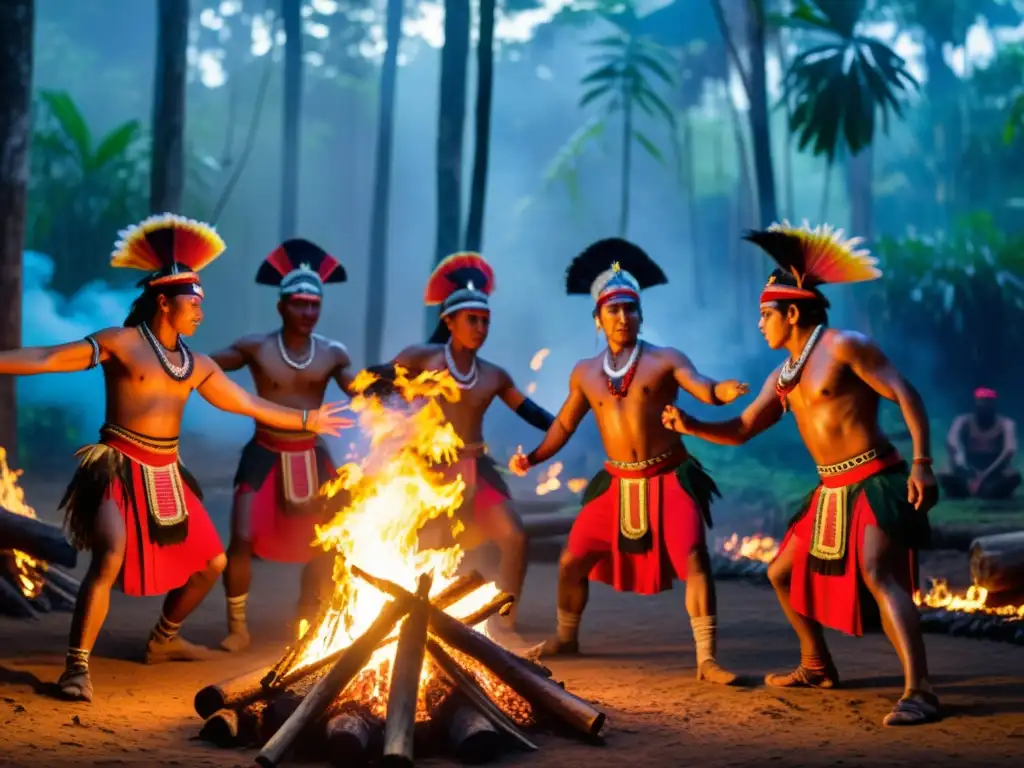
344	670
403	690
37	539
516	673
229	694
350	738
997	562
472	737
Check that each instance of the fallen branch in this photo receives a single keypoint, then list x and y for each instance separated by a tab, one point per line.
472	737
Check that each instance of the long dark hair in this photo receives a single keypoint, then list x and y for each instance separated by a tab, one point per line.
143	309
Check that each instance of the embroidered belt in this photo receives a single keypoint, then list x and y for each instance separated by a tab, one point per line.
300	476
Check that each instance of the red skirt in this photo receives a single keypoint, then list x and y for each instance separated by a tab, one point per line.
169	535
485	490
832	591
648	506
283	472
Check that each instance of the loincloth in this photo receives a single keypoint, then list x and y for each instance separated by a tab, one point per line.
644	519
169	535
869	489
283	471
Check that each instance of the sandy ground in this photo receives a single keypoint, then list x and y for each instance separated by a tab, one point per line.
639	668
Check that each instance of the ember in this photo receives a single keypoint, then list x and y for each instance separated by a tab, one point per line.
969	614
399	662
28	583
744	558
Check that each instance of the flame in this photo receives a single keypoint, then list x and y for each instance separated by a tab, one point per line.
12	498
538	359
549	480
390	495
973	601
531	387
756	547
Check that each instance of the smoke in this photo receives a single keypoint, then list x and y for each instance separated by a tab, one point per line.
49	319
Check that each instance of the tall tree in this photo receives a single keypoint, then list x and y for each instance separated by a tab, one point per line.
482	138
17	22
167	174
291	16
755	84
376	291
451	125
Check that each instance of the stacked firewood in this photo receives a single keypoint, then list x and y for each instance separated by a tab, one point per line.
30	580
328	710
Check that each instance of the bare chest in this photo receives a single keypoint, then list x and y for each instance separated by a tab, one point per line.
822	380
651	387
273	371
139	373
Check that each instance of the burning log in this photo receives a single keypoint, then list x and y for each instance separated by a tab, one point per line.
405	681
473	739
229	694
347	667
221	728
35	538
513	671
475	694
997	562
350	737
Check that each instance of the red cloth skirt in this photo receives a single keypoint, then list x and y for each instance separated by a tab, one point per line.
839	601
283	471
652	498
157	490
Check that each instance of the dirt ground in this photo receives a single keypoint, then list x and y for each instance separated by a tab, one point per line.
639	668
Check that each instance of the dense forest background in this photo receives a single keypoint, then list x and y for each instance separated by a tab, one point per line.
396	132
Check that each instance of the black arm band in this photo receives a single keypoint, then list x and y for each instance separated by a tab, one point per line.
715	400
534	415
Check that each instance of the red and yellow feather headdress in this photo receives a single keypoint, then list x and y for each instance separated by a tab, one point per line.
172	248
814	257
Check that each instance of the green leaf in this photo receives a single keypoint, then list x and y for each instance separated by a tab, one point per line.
649	145
115	144
71	122
653	105
1013	121
595	93
656	67
603	74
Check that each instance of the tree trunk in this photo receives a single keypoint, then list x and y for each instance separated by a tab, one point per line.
376	290
17	22
291	16
167	164
760	129
450	129
482	140
627	151
860	174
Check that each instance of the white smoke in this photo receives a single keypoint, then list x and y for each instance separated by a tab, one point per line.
48	319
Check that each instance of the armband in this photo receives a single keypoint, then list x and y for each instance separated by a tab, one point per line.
534	415
95	352
715	399
531	459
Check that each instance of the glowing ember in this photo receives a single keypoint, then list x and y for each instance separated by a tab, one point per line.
389	496
577	484
972	601
538	359
531	387
12	498
549	479
756	547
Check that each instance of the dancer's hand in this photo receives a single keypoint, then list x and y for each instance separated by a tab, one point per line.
325	420
673	419
727	391
922	489
519	465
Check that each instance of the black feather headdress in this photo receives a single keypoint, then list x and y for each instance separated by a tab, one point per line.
612	269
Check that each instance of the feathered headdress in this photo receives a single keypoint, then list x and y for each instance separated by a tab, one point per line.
814	257
300	269
172	248
460	281
612	270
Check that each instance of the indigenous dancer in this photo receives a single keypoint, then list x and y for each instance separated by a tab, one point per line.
277	504
643	516
461	285
131	501
862	525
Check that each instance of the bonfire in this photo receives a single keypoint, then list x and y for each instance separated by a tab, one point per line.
28	583
400	655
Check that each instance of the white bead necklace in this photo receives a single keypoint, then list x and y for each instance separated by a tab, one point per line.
296	365
613	373
176	372
462	380
791	369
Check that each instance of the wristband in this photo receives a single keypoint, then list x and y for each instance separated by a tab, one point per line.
922	461
305	417
715	399
531	459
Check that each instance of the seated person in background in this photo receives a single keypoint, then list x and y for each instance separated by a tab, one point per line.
982	446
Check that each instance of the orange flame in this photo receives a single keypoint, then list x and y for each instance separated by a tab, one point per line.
972	601
538	359
12	498
756	547
549	479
